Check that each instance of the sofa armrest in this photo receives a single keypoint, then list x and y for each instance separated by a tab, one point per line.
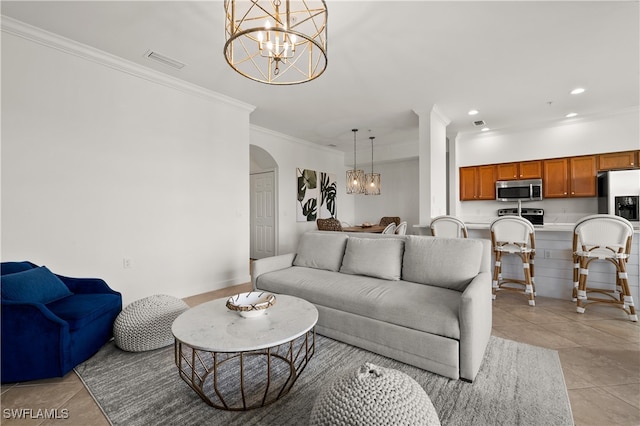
269	264
87	285
37	314
35	342
475	316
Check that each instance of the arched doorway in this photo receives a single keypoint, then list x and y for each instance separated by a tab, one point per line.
263	220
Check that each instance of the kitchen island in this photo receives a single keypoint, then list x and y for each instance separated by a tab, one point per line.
554	260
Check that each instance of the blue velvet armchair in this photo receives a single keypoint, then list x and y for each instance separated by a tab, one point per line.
51	323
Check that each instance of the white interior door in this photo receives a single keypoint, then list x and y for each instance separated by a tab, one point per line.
262	220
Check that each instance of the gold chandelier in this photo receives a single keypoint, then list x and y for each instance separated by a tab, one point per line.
355	177
276	41
372	180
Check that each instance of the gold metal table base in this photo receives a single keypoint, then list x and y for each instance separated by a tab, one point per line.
241	381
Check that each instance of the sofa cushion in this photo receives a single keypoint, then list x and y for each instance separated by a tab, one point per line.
416	306
380	257
37	285
321	251
445	262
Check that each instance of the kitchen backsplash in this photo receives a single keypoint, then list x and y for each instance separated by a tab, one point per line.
562	210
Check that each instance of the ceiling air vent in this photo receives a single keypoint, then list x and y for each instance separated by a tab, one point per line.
150	54
479	123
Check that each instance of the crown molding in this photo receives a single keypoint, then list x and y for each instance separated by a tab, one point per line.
293	139
72	47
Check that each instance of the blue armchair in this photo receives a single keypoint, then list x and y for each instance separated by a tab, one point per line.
51	323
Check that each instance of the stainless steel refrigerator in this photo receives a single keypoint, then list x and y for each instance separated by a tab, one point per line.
619	194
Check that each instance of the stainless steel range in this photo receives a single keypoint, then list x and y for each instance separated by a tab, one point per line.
535	216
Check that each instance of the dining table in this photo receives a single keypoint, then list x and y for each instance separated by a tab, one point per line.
374	229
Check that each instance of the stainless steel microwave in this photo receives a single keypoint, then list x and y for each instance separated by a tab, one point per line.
523	190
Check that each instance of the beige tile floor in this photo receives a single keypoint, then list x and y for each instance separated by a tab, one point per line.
599	352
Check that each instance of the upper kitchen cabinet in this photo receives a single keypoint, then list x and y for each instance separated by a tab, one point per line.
618	160
583	176
477	183
522	170
570	177
555	179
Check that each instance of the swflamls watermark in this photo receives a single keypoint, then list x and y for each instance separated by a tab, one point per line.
35	413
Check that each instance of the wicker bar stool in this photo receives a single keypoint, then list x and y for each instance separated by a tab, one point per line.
448	226
513	235
603	237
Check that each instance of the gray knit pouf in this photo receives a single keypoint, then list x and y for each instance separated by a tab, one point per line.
145	324
373	395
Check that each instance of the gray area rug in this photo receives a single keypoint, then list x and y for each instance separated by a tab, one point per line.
518	384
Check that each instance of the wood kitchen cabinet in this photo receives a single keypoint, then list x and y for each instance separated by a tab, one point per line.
521	170
477	183
570	177
583	176
618	160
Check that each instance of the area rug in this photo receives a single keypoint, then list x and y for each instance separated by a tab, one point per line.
518	384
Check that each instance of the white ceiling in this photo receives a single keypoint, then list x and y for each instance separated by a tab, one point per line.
514	61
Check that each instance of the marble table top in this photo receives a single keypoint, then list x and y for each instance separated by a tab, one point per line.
212	327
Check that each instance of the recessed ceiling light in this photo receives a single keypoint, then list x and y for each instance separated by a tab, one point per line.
473	112
577	91
571	114
485	129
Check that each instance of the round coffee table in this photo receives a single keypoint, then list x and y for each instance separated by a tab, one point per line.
237	363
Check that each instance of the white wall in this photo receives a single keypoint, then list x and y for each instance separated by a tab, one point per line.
590	135
289	154
100	164
398	194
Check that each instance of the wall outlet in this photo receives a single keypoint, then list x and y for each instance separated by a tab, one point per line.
548	254
126	263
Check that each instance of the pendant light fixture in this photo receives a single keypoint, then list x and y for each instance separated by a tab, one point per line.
276	41
372	180
355	177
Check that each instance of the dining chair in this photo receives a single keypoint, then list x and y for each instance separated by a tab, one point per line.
390	229
401	229
385	220
330	224
603	237
448	226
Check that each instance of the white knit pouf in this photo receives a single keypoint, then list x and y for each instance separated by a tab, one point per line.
145	324
373	395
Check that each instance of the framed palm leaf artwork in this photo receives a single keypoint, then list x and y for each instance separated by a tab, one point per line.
307	207
328	195
317	195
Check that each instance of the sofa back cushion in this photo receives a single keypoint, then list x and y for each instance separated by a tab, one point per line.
321	250
374	257
444	262
37	285
13	267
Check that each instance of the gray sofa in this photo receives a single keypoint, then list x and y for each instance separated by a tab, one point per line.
425	301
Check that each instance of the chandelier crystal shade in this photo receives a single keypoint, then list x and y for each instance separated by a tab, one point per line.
355	177
276	42
372	180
